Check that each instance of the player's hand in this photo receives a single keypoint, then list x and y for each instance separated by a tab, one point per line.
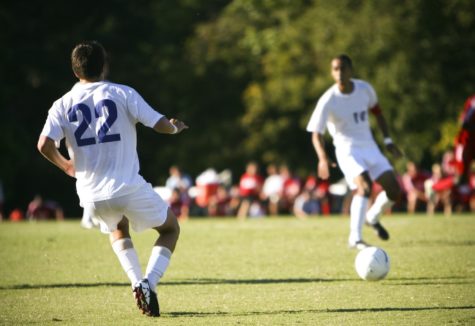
70	170
394	150
180	125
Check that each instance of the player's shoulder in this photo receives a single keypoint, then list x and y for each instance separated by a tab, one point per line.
329	93
121	88
365	87
360	83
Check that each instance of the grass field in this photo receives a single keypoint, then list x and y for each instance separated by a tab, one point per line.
274	271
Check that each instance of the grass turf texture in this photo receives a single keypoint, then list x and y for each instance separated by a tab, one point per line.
275	271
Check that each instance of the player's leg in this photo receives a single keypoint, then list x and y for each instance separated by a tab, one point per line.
358	208
468	155
383	201
162	249
145	209
159	260
124	249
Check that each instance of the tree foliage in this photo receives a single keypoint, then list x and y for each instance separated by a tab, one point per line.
245	75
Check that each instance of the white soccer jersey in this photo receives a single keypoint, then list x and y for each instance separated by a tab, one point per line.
345	115
98	121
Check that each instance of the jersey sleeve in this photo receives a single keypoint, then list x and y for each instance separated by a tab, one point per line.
373	98
53	127
141	111
318	120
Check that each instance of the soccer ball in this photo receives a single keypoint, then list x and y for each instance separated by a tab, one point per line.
372	264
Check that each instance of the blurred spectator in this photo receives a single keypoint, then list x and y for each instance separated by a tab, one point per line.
273	189
448	165
179	203
440	194
178	179
413	184
291	189
38	209
320	190
250	185
219	203
206	186
306	203
234	200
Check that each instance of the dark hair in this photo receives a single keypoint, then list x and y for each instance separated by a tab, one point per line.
88	59
345	58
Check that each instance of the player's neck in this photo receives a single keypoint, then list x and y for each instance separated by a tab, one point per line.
346	87
87	81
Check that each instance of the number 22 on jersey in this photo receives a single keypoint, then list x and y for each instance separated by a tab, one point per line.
104	107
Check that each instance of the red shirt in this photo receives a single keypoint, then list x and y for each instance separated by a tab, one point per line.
250	184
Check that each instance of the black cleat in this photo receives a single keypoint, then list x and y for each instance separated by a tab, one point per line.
146	299
380	231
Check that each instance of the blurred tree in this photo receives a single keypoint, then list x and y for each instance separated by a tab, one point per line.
244	74
415	53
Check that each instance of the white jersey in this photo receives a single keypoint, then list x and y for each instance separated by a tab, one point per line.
345	115
98	121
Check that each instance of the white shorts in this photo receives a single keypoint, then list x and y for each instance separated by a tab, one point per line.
143	208
356	160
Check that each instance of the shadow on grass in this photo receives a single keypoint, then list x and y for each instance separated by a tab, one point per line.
438	243
177	314
217	281
60	285
210	281
430	280
202	281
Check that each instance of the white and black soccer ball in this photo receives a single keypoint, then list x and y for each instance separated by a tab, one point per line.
372	264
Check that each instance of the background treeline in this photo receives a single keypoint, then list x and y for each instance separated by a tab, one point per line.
245	75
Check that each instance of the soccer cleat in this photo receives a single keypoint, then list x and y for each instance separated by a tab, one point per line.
380	231
146	299
360	245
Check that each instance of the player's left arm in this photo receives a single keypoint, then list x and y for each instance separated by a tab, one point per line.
383	126
47	148
172	126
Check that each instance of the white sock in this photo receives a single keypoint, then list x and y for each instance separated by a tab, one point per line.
157	265
359	205
381	203
128	259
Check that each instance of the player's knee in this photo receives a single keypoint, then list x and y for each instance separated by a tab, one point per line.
394	193
171	226
363	191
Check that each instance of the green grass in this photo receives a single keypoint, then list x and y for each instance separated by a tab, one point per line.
275	271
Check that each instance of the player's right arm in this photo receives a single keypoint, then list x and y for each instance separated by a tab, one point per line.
323	162
47	148
317	126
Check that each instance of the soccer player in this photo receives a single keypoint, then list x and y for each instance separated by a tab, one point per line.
343	110
98	119
465	141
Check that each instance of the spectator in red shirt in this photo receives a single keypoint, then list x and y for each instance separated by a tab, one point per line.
413	183
219	203
292	188
250	186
